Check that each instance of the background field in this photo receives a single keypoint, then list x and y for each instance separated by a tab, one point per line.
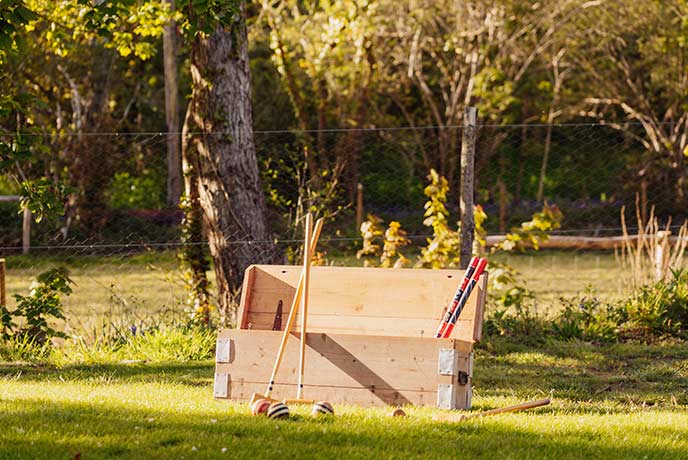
148	283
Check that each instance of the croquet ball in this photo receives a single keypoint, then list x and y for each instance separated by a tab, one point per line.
322	408
278	410
260	406
398	412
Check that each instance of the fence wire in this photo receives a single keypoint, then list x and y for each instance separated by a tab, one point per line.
121	240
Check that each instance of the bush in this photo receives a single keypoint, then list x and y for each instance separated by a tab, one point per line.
651	313
586	319
657	309
42	303
136	192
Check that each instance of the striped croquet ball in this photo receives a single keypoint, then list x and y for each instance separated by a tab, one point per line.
398	412
278	410
260	407
322	408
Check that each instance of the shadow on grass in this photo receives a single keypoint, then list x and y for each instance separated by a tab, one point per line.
40	429
193	373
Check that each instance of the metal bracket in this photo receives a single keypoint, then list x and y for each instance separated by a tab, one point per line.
470	364
446	396
221	386
448	362
469	396
223	350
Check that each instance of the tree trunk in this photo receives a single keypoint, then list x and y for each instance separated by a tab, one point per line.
193	254
229	185
174	167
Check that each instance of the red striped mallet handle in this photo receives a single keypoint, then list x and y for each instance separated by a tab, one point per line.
464	298
457	296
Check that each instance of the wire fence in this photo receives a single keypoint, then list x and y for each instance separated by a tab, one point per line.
120	239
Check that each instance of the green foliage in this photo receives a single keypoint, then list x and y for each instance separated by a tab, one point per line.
44	197
532	232
443	249
371	231
136	192
392	240
395	239
164	344
41	305
586	319
657	309
22	348
650	313
14	16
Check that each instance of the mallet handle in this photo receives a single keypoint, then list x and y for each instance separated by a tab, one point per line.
516	408
464	297
304	300
457	296
292	313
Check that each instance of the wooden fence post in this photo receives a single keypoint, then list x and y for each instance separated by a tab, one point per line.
470	117
26	231
3	292
661	254
359	206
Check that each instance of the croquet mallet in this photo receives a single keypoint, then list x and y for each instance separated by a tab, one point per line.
292	316
502	410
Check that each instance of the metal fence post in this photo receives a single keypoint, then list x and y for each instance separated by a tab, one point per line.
470	116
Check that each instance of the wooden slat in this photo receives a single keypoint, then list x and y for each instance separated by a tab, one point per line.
343	368
391	302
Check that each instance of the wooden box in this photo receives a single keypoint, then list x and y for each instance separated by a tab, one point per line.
370	337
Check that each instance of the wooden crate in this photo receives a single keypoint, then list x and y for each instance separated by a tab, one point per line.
370	337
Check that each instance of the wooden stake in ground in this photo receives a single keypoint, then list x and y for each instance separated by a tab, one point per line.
503	410
3	296
290	319
304	300
470	117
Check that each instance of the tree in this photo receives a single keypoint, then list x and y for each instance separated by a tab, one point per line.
174	158
220	143
635	79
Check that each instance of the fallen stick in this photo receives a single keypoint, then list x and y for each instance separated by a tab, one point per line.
516	408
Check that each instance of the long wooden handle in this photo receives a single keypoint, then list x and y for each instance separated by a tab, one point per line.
516	408
502	410
294	308
304	301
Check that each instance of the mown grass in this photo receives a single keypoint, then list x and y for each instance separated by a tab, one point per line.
620	401
149	282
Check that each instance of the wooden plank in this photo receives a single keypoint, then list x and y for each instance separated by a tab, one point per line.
362	300
249	280
242	391
479	312
393	370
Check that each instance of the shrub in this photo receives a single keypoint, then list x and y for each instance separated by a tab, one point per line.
657	309
586	319
136	192
42	303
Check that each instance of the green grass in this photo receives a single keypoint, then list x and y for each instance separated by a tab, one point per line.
621	401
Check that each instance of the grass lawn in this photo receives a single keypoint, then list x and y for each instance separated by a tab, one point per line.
620	401
147	283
